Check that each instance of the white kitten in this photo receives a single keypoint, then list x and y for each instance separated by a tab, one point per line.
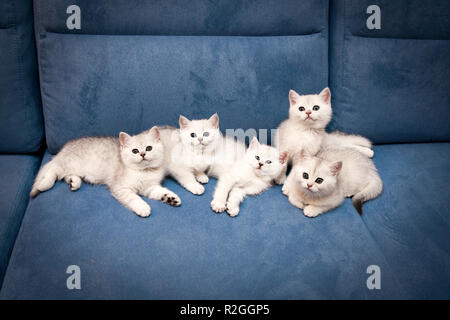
197	150
129	166
319	184
250	175
304	130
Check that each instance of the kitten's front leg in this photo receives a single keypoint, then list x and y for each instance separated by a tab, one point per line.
313	211
132	201
158	192
288	183
236	196
295	201
187	180
201	177
281	179
218	203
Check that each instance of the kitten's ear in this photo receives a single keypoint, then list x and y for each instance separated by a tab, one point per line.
325	94
124	138
293	97
214	120
183	121
154	133
336	168
254	143
283	157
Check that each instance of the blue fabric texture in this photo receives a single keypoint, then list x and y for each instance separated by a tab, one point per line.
17	172
392	84
100	85
193	18
411	220
21	122
269	251
134	72
134	64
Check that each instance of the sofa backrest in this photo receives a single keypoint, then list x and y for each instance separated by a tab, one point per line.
21	125
391	84
133	64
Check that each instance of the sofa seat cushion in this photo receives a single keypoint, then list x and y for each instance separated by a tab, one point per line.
17	173
411	220
269	251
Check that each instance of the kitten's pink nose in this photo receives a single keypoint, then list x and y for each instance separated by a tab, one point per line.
308	112
309	185
142	154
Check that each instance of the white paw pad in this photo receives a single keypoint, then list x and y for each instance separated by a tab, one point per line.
217	206
202	178
142	210
233	212
311	212
196	188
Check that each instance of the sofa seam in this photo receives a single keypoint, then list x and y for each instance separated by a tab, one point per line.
343	81
187	35
37	36
22	216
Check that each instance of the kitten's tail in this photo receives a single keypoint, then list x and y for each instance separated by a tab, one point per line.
46	178
372	190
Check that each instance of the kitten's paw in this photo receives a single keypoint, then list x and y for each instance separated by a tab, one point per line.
281	179
74	182
171	199
196	188
369	153
311	211
218	206
202	178
142	209
233	212
284	190
295	202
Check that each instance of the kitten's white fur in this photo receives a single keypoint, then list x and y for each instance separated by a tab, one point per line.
250	175
197	150
303	132
338	140
345	173
111	161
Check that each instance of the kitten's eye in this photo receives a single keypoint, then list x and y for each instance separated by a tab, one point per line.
135	151
319	180
305	175
193	135
205	134
301	108
315	108
257	158
149	148
268	162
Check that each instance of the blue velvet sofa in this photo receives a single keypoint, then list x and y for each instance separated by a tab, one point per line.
134	64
